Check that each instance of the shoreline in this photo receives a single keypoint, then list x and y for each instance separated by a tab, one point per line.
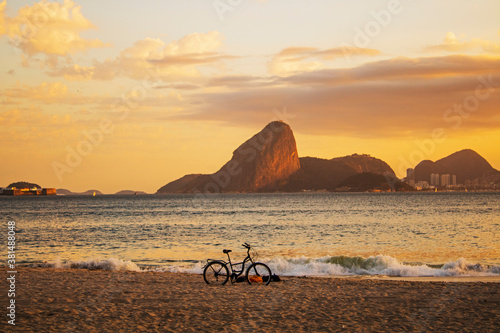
64	300
487	278
472	191
377	277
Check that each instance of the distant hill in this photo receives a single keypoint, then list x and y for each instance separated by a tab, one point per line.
317	174
365	163
322	174
368	181
24	185
63	191
129	192
465	164
269	162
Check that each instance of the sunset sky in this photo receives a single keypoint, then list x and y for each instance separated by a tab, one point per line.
116	95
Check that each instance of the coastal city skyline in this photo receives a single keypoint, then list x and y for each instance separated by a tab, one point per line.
126	95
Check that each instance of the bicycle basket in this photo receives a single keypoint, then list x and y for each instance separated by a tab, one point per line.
253	254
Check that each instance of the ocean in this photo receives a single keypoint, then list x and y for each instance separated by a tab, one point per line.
312	234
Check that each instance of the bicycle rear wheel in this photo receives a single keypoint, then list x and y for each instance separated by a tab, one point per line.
216	273
258	273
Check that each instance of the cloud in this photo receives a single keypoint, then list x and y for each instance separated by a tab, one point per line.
195	43
74	72
32	117
51	93
49	28
45	92
240	81
179	86
189	59
392	98
452	44
57	97
400	68
36	130
305	59
177	60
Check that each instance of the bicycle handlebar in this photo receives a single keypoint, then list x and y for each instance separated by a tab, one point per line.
246	245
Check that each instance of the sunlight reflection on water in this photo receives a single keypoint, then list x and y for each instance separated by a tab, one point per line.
418	227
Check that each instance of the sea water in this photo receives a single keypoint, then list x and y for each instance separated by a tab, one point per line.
401	234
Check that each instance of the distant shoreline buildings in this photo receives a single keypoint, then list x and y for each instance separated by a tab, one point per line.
443	181
436	180
14	191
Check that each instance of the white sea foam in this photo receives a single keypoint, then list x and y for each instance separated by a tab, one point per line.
344	265
375	265
111	264
303	266
194	269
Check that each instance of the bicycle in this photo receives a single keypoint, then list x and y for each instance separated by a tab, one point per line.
217	271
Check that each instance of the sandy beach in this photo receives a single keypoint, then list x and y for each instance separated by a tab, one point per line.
80	300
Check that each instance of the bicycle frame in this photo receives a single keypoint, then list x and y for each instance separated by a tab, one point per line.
236	273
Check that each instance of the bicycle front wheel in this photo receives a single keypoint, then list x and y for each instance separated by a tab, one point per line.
216	272
258	273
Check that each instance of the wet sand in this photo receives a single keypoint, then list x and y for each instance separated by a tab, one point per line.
79	300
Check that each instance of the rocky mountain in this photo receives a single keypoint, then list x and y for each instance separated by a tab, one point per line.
180	185
269	162
261	164
465	164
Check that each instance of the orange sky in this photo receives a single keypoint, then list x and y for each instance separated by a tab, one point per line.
131	95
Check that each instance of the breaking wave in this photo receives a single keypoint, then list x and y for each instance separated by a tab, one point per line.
324	266
111	264
375	265
196	268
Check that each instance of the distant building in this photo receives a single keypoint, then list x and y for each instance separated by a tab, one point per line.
435	179
410	174
445	180
454	180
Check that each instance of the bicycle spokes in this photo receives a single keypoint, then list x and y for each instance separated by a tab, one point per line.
216	273
258	273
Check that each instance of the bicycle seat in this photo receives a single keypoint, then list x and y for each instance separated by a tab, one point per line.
226	251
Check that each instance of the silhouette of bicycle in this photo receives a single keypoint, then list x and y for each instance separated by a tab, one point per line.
218	272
